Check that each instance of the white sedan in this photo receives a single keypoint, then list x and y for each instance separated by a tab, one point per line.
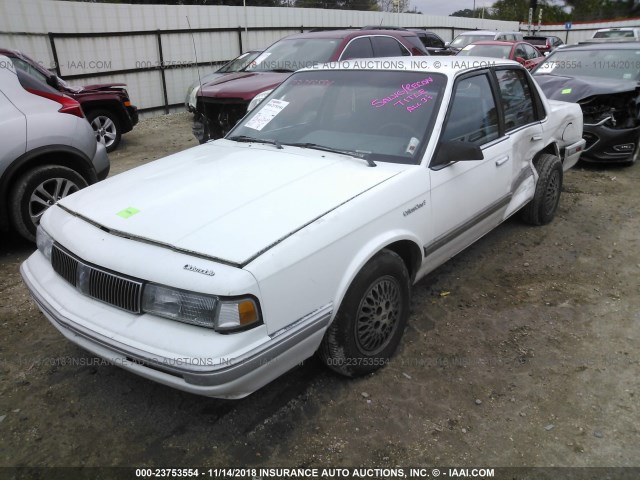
217	269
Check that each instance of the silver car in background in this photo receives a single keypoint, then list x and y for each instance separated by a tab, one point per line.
47	149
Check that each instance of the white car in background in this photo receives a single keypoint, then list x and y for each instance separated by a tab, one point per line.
48	150
304	228
472	36
617	34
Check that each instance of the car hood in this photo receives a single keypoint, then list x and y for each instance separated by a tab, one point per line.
223	200
94	89
574	89
245	85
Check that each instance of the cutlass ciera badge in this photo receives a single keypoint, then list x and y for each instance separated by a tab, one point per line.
203	271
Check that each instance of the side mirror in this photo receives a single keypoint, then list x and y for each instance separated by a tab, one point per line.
447	44
456	152
520	60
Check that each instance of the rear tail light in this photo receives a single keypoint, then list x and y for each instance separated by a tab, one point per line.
69	105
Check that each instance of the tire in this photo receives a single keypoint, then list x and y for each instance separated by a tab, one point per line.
36	191
542	207
106	126
360	341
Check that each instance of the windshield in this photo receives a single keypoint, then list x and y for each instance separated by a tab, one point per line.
623	64
464	40
496	51
238	63
373	115
293	54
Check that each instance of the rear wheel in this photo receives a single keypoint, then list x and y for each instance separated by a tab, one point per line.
371	320
36	191
542	207
106	126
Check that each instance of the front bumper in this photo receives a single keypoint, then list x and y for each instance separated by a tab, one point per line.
572	153
255	359
132	112
604	143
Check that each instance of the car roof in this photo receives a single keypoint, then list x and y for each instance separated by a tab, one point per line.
348	33
449	66
603	46
488	32
496	42
616	29
11	53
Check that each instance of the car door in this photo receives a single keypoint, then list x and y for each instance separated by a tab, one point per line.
468	198
522	116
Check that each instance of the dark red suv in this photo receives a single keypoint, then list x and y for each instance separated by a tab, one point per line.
106	106
220	104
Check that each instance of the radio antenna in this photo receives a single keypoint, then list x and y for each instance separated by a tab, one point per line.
195	53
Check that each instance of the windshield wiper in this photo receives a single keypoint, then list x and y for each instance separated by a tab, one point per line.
248	139
324	148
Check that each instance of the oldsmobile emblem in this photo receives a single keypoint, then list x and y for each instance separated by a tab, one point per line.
203	271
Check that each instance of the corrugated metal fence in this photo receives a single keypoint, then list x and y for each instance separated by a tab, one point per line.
151	47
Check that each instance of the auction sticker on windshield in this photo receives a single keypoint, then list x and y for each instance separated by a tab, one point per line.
266	114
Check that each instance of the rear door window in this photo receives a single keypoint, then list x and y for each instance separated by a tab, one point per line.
388	47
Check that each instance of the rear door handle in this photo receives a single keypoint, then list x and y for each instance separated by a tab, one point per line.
502	160
536	138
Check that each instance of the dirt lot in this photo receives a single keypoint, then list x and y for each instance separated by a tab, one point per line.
521	351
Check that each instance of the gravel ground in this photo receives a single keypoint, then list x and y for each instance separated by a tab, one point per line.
521	351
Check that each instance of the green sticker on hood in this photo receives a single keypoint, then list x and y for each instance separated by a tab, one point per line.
565	91
127	212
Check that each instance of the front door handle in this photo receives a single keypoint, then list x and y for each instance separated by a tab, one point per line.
536	138
502	160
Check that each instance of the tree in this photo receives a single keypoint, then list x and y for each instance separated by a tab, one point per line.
338	4
586	10
392	6
467	12
518	11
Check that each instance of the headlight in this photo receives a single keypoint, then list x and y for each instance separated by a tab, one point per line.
210	311
44	242
257	99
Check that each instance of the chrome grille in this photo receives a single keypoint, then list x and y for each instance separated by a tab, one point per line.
108	287
65	265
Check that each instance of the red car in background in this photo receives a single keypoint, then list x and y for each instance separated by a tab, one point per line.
107	106
222	102
521	52
544	44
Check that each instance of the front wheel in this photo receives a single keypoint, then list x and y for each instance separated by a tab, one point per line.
371	319
36	191
542	207
106	126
